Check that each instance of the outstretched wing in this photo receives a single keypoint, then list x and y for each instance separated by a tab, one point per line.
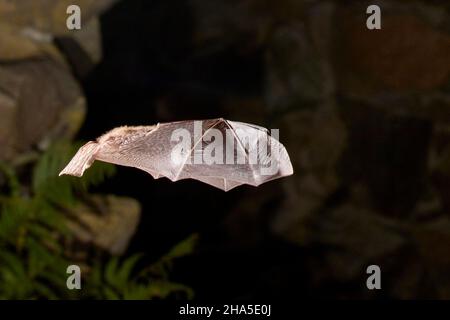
216	152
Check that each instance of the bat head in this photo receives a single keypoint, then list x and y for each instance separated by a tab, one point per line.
123	135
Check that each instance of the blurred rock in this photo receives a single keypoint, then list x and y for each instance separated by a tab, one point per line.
243	25
37	90
407	54
315	140
364	115
28	28
16	44
355	234
294	74
90	39
48	16
299	72
107	222
82	49
37	110
432	242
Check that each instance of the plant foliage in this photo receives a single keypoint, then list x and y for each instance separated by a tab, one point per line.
33	260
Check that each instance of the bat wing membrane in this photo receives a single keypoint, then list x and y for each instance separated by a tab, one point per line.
153	153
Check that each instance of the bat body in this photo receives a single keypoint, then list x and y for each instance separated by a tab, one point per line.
219	152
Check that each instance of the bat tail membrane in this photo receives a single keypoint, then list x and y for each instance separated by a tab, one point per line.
221	183
82	160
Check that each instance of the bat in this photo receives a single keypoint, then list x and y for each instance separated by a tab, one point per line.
219	152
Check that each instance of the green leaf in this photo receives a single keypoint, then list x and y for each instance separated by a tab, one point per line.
126	268
183	248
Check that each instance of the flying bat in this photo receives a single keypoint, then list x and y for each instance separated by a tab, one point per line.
219	152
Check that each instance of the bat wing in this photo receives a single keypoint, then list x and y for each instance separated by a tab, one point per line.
177	150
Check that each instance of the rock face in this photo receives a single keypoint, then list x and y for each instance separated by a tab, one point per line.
37	110
365	116
376	189
47	16
40	100
28	28
373	58
107	222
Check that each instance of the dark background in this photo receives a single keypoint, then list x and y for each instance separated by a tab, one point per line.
364	115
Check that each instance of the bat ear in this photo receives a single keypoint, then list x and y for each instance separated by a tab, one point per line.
82	160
